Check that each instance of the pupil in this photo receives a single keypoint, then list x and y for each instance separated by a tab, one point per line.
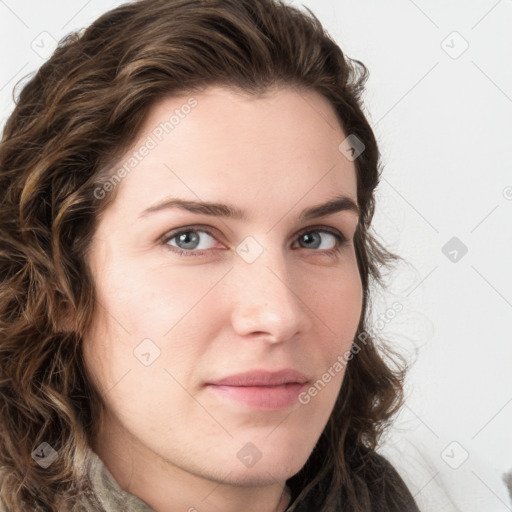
184	236
308	237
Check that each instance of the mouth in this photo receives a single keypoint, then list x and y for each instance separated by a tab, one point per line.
268	398
261	389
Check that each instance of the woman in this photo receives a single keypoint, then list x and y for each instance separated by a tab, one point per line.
187	190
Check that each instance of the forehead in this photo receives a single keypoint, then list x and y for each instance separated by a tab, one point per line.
279	146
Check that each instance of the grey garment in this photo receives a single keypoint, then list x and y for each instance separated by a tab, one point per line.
108	495
108	492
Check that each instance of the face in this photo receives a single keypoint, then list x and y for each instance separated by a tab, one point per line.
189	295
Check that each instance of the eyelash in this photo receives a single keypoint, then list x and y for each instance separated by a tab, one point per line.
340	238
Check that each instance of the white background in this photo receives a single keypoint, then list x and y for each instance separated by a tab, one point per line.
442	115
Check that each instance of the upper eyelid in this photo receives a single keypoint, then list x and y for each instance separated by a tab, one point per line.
169	235
176	231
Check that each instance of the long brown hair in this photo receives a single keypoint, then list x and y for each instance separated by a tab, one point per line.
73	120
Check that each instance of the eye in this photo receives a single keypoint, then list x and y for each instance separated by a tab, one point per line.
313	239
316	240
188	240
194	240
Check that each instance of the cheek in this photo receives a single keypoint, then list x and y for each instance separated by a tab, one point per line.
158	316
149	301
338	306
337	300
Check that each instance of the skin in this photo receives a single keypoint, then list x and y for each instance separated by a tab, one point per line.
166	437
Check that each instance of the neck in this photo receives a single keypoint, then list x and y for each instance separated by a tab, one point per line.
159	483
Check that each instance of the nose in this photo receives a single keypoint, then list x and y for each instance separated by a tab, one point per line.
266	302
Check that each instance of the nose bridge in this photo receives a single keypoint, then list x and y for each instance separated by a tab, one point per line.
265	300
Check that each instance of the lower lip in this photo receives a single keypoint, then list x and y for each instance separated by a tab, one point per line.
267	398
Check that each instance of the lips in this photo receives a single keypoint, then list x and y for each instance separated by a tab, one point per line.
261	389
263	378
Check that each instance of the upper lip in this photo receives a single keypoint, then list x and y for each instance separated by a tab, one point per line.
262	378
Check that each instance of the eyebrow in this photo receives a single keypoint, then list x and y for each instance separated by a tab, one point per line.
337	204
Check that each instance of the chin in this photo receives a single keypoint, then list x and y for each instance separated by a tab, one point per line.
269	469
263	476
